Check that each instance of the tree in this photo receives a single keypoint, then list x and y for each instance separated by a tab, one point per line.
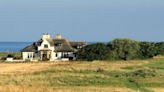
160	48
97	51
124	48
147	49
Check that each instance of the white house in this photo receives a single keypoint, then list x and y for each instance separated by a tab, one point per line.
49	49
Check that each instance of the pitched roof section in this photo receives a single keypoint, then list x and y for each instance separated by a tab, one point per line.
38	43
51	42
60	45
78	43
64	49
30	48
63	45
61	41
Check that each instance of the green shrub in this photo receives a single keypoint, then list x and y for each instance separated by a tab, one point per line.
121	49
97	51
124	48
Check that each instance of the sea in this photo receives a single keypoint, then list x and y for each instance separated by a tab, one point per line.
13	46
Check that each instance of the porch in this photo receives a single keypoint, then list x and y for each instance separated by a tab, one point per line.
45	55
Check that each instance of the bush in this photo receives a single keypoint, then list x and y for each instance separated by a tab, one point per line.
121	49
147	50
10	56
160	48
97	51
124	49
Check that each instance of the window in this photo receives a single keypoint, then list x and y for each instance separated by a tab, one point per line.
56	55
28	56
58	44
45	46
31	55
79	47
65	55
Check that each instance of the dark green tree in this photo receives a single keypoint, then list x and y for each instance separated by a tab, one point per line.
124	48
160	48
147	50
92	52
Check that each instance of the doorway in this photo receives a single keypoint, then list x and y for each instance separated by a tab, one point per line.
45	58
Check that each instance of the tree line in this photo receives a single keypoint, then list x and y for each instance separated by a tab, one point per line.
121	49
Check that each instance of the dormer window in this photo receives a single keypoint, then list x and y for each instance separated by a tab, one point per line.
45	46
58	44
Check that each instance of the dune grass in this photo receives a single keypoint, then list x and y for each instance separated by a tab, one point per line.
5	54
97	76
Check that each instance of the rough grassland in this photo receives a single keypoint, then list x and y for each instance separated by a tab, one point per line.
4	54
97	76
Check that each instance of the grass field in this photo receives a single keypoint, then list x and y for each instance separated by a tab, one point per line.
4	54
96	76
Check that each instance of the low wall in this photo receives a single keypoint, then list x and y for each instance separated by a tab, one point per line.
13	60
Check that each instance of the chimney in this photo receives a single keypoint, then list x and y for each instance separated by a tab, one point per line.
58	36
46	36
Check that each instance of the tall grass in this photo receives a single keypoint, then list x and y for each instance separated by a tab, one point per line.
84	76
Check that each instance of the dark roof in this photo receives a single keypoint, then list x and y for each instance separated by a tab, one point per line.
64	49
78	43
30	48
63	45
60	45
62	41
38	43
51	41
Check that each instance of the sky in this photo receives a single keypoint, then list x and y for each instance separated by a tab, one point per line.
82	20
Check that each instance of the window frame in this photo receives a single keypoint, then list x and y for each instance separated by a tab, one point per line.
45	45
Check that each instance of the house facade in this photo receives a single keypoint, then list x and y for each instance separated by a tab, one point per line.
52	49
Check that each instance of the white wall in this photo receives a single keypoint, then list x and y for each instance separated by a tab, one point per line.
28	55
47	43
9	59
59	55
53	56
